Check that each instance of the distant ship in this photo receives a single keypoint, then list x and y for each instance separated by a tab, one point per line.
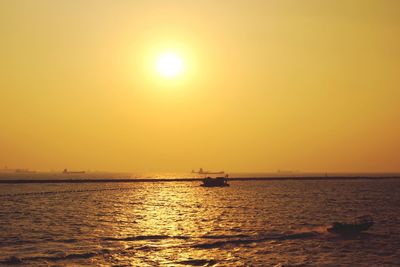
201	171
66	171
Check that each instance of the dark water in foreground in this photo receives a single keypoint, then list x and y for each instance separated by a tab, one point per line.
253	223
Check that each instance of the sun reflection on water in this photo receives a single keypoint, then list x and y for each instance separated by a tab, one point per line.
181	223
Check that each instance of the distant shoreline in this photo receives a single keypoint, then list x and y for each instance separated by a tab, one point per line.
152	180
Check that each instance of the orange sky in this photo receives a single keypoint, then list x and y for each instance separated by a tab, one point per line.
268	85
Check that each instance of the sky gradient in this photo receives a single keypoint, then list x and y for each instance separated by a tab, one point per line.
268	85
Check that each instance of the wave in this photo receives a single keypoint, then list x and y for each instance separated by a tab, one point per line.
161	237
223	240
196	242
17	242
144	237
224	236
13	260
257	239
198	262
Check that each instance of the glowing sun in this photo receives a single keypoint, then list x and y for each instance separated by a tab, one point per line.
169	65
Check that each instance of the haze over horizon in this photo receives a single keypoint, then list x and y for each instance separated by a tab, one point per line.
224	85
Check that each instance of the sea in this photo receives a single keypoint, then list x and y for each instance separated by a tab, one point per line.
179	223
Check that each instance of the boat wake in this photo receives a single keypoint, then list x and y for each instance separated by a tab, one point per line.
245	240
321	229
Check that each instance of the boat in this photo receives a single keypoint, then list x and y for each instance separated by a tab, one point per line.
201	171
215	182
66	171
360	224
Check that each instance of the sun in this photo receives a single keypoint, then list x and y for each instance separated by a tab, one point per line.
169	65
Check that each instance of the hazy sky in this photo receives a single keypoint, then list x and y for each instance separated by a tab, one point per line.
291	85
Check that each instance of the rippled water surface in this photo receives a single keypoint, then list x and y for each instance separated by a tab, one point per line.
253	223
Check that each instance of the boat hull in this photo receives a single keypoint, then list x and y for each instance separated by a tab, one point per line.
215	182
224	185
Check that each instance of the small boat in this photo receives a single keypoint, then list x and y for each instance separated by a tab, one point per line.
215	182
360	224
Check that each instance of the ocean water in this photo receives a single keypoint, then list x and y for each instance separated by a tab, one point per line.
250	223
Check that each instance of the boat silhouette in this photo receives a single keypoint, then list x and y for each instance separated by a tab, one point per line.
360	224
201	171
215	182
